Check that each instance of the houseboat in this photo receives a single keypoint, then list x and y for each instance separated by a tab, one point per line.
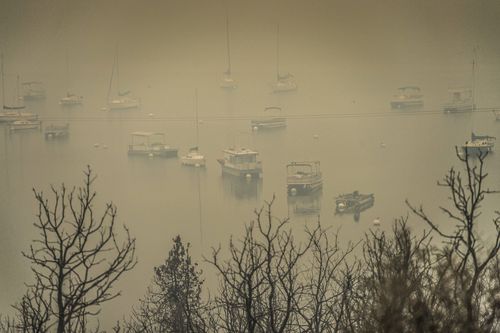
241	162
303	178
33	90
460	100
409	96
150	144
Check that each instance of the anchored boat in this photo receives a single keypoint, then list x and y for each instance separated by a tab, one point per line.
123	100
33	90
303	178
284	82
56	131
409	96
20	125
151	145
241	162
460	100
194	158
271	121
479	144
354	202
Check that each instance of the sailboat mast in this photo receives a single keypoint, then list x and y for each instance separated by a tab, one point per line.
111	79
196	116
278	52
473	79
3	81
117	71
67	73
228	47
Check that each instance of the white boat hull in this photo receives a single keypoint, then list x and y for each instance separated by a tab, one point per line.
123	104
197	160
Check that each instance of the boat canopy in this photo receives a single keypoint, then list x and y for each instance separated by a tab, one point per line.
240	151
409	88
272	108
147	134
298	167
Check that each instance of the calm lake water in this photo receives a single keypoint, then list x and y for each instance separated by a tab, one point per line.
340	116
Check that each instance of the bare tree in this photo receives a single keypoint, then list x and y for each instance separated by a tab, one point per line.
260	281
467	257
327	284
76	259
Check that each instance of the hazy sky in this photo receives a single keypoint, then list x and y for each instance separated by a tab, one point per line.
366	30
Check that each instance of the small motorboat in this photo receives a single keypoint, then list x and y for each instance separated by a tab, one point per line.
479	144
193	158
151	145
460	101
56	131
71	99
270	121
354	202
241	162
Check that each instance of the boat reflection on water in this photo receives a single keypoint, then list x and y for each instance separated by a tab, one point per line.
242	188
305	205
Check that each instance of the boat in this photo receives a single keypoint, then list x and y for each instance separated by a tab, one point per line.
70	99
284	82
460	100
228	82
408	96
56	131
479	144
497	115
354	202
150	144
11	113
33	90
194	158
303	178
268	121
20	125
123	100
241	162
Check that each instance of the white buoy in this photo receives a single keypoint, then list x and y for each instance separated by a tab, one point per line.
96	145
104	108
255	128
197	165
151	155
316	136
376	222
248	176
382	145
151	115
293	191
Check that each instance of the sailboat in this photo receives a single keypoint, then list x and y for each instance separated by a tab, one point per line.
123	100
12	113
284	82
194	158
228	81
70	98
478	144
